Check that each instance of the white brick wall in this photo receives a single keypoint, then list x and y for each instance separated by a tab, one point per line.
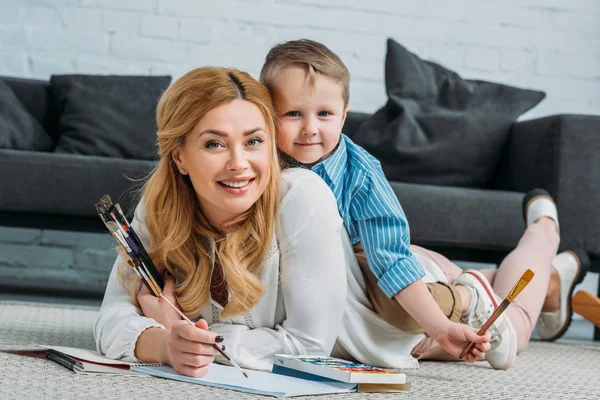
552	45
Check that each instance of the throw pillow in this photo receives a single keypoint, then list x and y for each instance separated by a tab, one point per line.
437	128
19	130
110	116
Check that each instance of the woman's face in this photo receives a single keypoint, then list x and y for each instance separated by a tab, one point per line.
227	156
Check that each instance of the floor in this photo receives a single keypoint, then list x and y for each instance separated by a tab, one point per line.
557	370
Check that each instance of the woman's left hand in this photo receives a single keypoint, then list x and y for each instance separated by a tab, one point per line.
156	307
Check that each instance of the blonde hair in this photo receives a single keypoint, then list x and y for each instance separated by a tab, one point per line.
180	233
314	57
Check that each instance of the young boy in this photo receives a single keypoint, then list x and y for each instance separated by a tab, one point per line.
310	89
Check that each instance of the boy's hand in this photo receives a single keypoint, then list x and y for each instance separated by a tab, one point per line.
158	309
455	337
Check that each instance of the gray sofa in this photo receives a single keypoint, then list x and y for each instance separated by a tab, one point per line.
558	153
47	190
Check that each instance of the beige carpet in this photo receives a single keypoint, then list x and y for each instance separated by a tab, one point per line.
543	371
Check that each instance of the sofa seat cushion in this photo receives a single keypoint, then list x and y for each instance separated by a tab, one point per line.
109	116
461	217
18	128
66	184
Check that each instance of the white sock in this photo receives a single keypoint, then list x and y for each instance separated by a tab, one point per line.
474	298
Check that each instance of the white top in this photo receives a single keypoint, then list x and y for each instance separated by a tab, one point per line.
310	302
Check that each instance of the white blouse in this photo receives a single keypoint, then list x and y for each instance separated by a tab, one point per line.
314	299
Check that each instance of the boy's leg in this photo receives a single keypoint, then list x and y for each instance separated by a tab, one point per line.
446	296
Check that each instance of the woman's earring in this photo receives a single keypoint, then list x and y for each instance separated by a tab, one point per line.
182	170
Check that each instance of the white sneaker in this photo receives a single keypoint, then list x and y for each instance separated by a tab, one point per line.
571	267
538	203
504	337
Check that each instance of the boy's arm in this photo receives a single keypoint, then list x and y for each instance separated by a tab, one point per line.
452	336
385	237
418	302
384	234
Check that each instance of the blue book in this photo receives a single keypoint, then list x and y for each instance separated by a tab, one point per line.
337	369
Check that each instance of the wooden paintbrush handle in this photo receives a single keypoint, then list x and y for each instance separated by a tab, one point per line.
216	346
467	350
182	315
493	317
486	326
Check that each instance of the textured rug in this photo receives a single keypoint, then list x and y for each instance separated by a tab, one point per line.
543	371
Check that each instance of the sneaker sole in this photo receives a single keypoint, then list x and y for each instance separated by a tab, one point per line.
513	343
583	264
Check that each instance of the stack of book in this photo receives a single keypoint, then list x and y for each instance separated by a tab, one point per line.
367	377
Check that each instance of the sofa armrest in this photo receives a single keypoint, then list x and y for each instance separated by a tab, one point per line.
561	154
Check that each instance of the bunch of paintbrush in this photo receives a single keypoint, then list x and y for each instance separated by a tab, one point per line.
132	251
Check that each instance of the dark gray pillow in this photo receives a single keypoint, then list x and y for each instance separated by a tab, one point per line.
18	128
110	116
438	128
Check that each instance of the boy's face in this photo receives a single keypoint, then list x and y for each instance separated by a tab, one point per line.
310	118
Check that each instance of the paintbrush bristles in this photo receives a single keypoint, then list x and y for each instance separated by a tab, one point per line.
105	201
524	281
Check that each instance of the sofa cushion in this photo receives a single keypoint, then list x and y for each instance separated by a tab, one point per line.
438	128
36	97
109	116
67	184
465	218
18	128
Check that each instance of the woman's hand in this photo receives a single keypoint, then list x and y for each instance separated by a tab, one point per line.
156	307
455	337
189	349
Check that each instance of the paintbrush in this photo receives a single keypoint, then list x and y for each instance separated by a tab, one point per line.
216	346
523	281
134	254
156	291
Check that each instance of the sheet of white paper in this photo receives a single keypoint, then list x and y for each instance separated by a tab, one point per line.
258	382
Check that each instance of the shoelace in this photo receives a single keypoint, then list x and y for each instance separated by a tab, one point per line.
478	319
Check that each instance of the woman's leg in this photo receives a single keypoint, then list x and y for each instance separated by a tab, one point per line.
535	251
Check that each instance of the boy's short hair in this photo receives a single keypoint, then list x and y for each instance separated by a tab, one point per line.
312	56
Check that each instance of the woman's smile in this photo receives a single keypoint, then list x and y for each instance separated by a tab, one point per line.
236	187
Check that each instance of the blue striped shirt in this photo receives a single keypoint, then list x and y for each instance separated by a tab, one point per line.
372	214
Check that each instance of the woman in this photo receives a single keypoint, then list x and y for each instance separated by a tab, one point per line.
258	256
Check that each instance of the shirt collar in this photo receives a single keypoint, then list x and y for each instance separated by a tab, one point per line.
335	164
